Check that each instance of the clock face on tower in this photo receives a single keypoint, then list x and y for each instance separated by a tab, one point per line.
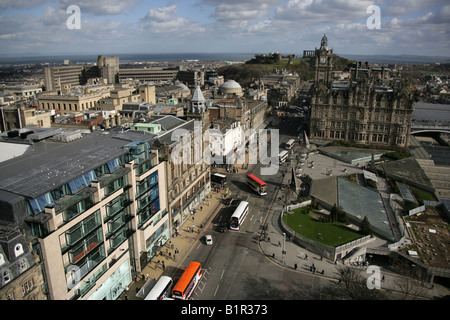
323	59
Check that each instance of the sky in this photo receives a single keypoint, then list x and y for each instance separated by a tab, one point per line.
40	27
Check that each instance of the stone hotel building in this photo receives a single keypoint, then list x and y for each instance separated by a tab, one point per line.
368	108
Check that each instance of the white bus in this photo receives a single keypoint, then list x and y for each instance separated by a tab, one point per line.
160	289
239	215
282	156
289	144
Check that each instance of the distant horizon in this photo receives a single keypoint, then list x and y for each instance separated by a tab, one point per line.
210	56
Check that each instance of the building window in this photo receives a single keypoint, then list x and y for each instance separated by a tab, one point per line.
27	286
81	182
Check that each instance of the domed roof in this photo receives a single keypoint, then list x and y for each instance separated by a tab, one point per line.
182	86
230	85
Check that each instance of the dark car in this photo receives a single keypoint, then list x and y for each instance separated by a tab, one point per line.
235	202
227	201
223	227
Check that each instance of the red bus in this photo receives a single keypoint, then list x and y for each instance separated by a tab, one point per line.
257	184
188	281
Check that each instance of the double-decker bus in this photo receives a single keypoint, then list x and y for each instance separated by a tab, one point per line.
160	289
289	144
239	215
219	179
257	184
188	281
282	156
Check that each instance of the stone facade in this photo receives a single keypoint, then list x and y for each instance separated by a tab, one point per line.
368	108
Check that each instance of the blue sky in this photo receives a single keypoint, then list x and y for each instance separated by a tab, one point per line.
38	27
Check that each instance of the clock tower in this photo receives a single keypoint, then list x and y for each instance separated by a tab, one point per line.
324	63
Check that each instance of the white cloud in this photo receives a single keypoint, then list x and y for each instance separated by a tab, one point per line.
164	21
319	11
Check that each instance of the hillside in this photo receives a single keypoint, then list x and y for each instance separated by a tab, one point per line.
253	69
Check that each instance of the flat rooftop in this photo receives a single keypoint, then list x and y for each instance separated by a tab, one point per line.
50	164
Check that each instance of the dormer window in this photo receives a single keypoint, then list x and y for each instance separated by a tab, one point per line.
18	250
6	277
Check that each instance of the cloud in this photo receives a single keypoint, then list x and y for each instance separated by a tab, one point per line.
100	7
318	11
95	7
239	13
399	8
16	4
164	21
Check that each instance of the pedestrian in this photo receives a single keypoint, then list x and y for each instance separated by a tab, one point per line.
306	257
279	243
268	239
295	266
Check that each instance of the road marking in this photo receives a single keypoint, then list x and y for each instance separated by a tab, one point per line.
251	218
216	290
222	274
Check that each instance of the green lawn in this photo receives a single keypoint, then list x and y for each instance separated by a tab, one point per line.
421	194
330	232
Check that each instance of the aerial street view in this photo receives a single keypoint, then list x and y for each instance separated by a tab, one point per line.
246	156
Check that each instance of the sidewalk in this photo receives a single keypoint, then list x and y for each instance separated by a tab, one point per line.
299	259
184	242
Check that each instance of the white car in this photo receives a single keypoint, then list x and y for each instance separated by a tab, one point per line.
208	239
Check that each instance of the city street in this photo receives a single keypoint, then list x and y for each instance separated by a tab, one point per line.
236	268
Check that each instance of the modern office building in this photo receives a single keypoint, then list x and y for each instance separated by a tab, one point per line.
109	68
57	77
95	210
155	75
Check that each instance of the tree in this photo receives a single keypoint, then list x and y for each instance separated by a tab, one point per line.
352	286
338	215
365	227
334	214
342	216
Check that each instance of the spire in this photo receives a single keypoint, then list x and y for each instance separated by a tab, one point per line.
198	101
324	43
197	96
